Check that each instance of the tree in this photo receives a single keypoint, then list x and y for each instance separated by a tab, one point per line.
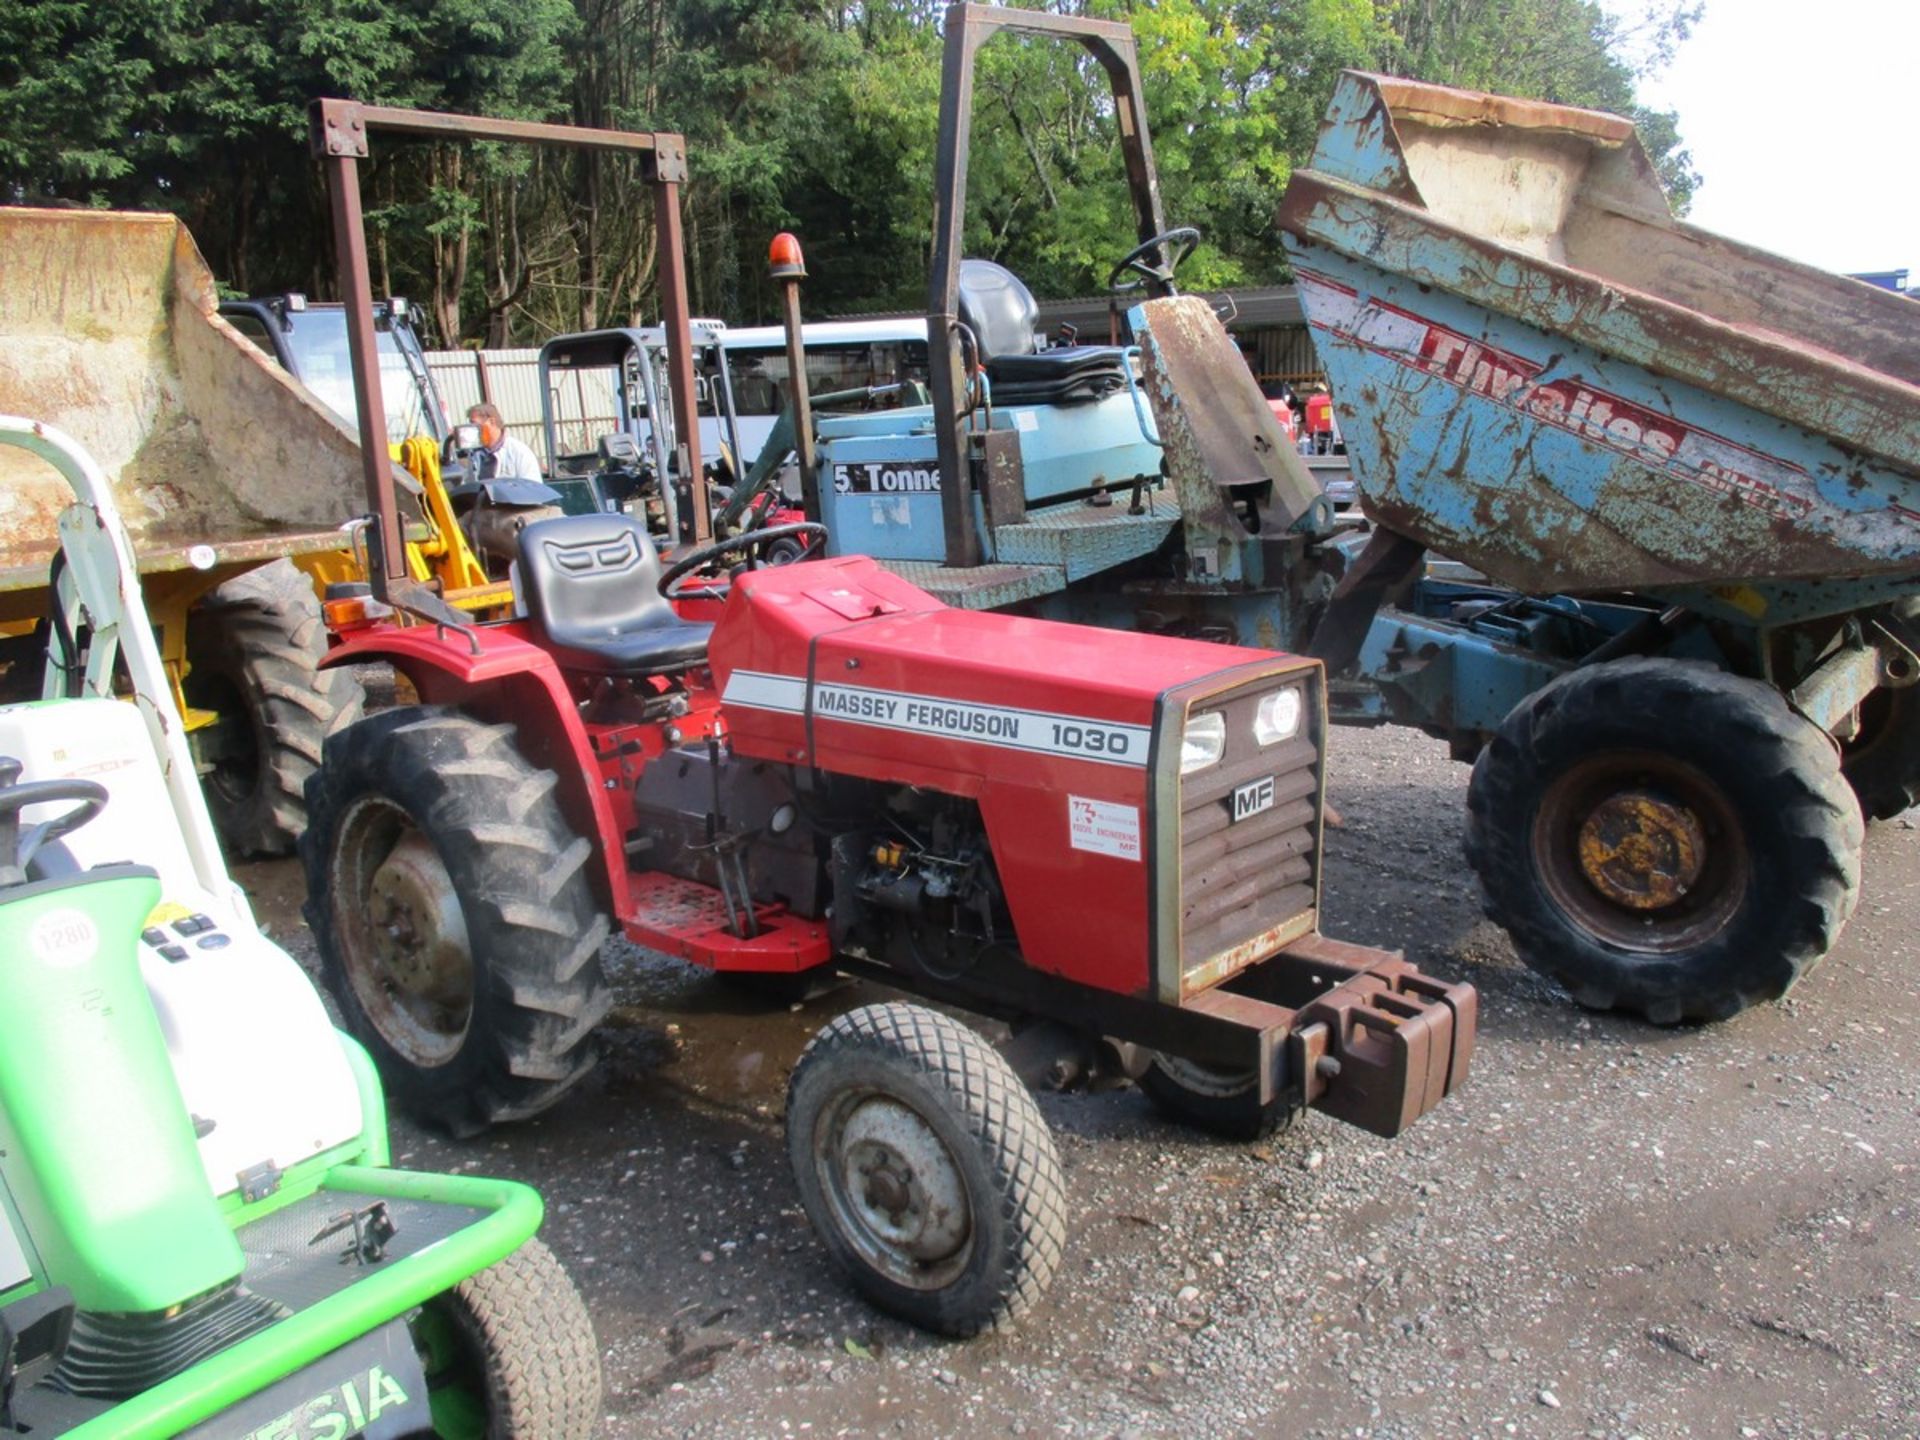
77	93
804	114
1570	52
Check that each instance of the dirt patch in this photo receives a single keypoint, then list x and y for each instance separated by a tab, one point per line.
1613	1230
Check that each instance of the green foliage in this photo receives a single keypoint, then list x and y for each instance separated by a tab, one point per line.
801	114
77	93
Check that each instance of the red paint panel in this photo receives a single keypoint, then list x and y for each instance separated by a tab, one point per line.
509	680
1026	716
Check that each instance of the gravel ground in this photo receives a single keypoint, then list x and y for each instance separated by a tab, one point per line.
1611	1231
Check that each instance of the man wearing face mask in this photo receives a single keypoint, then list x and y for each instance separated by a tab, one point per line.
501	456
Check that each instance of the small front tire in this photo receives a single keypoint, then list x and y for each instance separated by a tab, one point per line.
1223	1104
926	1168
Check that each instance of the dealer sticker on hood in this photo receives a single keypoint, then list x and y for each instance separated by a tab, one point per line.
1103	827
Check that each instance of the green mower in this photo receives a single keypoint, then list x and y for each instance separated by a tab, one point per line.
199	1232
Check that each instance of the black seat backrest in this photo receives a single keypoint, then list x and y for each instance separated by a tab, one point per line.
997	306
587	577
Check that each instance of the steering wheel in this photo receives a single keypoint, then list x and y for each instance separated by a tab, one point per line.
749	544
1178	244
25	843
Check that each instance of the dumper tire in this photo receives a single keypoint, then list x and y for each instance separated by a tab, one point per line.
1721	813
457	926
518	1341
1220	1103
923	1101
1883	762
254	647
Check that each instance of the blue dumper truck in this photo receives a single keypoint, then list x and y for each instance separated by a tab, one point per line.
1691	472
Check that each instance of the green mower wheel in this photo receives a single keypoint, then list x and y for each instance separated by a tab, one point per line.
511	1354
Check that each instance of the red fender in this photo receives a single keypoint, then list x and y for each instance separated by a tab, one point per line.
497	675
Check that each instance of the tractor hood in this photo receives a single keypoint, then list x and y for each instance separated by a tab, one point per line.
1069	738
841	664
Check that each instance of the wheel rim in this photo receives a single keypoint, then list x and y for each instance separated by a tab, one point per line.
893	1189
401	935
1642	851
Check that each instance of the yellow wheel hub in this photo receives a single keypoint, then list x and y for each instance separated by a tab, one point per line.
1642	851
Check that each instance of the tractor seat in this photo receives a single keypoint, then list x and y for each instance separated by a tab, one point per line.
996	306
589	582
1068	375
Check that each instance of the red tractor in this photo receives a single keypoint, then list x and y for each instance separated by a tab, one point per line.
1111	843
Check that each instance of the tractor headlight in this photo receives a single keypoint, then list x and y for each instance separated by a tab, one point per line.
1203	742
1278	716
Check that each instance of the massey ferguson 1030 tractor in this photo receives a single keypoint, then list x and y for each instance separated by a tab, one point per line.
1111	844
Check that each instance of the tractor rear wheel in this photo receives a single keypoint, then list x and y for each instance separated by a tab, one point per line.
1222	1103
1665	838
926	1168
456	924
511	1352
1882	763
254	647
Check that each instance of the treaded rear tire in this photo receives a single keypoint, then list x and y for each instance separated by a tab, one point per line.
254	647
1798	841
969	1098
533	927
529	1345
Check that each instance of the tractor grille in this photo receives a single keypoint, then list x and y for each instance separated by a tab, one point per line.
1239	880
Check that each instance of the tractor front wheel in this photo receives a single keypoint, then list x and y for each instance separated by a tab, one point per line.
511	1352
926	1168
1223	1103
1665	838
456	924
253	654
